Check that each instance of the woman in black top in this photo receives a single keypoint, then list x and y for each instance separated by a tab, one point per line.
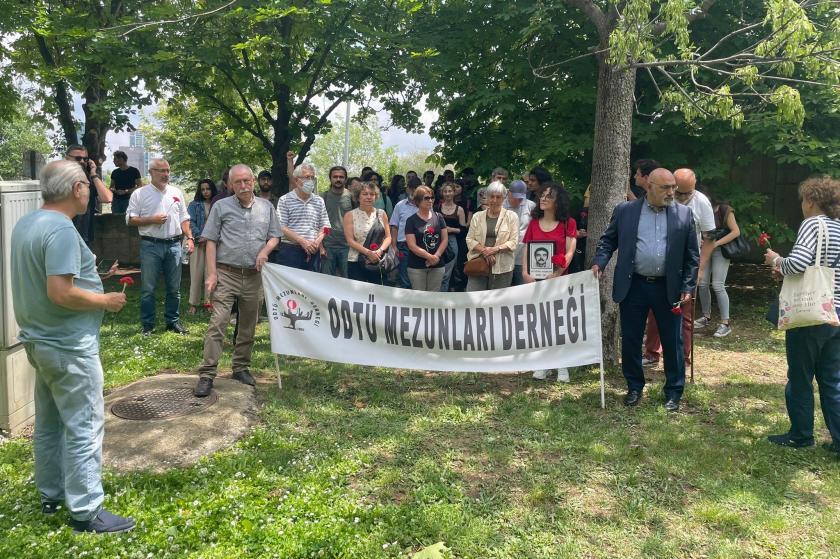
426	237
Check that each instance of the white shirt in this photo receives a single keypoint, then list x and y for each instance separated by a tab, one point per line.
523	211
704	215
147	201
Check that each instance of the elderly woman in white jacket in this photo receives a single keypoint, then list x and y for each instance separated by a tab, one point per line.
493	235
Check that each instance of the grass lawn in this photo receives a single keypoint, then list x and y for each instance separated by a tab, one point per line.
359	462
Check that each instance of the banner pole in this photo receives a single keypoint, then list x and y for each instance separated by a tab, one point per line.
603	397
691	335
277	367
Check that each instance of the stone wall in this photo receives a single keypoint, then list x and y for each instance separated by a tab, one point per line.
114	240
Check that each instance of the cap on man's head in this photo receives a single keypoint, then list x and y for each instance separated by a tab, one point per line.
518	190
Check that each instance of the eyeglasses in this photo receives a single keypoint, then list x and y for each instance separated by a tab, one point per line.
547	196
86	183
80	158
428	197
681	195
159	170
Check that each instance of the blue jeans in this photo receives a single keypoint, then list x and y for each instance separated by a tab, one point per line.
641	298
69	426
404	282
119	205
335	263
294	256
813	351
447	270
154	259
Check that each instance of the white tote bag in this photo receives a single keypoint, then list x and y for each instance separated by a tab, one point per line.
807	299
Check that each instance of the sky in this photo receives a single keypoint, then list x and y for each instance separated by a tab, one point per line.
405	142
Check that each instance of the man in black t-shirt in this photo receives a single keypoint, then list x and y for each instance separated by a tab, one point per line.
124	180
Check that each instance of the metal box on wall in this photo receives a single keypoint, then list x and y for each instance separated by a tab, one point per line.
17	377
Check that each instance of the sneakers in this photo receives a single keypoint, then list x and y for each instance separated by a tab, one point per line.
50	507
147	331
649	361
203	388
103	523
702	322
244	377
540	374
563	375
723	331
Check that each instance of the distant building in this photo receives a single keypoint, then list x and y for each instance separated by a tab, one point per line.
136	152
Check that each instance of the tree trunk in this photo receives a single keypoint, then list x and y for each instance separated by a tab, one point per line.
96	127
610	173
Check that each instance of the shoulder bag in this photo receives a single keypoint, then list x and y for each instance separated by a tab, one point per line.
807	299
376	235
737	248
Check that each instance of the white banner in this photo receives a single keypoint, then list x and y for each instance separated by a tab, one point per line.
543	325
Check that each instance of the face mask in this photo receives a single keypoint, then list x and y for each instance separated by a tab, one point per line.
308	185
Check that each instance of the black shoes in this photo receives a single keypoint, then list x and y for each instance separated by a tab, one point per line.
50	507
103	523
632	398
672	404
244	377
203	388
147	331
785	440
177	328
833	446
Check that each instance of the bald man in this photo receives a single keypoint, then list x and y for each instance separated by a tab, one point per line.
656	271
704	226
159	211
241	231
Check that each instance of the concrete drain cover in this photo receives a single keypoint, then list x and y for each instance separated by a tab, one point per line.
162	404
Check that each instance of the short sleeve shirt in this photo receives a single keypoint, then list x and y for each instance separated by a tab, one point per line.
305	217
45	243
427	235
558	235
241	233
337	205
704	215
149	200
402	212
123	180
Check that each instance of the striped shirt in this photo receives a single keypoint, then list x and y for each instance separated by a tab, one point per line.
305	217
804	251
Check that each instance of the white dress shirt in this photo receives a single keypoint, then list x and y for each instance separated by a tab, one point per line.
147	201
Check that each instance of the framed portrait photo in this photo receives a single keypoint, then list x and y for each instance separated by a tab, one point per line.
540	254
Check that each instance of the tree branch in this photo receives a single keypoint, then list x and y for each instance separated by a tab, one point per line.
595	15
136	26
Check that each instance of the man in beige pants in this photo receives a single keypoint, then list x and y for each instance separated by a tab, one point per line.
241	231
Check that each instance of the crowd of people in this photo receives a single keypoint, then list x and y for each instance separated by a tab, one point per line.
418	234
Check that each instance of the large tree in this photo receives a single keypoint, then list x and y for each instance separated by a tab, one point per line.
74	46
763	52
279	69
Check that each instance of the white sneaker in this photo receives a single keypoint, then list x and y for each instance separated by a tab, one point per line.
563	375
540	374
702	322
723	331
647	362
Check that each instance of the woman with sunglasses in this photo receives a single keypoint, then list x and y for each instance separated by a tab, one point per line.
550	221
426	237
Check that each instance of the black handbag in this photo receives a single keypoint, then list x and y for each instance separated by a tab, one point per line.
449	252
376	235
737	248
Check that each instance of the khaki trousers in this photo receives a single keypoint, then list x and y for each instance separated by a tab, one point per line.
198	293
234	283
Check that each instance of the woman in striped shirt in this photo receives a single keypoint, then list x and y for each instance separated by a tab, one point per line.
813	350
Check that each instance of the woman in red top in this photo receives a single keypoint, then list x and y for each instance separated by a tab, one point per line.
550	221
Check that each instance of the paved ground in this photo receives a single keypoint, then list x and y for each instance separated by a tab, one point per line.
162	444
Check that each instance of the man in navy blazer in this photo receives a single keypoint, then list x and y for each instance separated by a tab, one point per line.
656	270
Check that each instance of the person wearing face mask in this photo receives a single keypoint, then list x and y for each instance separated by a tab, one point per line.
656	270
304	221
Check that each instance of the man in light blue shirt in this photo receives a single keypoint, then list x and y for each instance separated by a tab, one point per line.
59	302
402	211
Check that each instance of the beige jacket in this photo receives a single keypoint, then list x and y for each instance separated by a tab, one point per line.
507	234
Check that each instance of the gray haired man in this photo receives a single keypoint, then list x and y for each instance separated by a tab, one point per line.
59	302
241	231
304	221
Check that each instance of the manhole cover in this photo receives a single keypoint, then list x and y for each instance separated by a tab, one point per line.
162	403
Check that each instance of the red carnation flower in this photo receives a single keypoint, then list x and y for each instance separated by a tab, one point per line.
374	246
764	239
677	309
126	281
176	199
559	260
430	230
208	306
327	230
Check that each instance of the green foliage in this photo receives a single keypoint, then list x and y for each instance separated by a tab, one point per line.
198	141
19	132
